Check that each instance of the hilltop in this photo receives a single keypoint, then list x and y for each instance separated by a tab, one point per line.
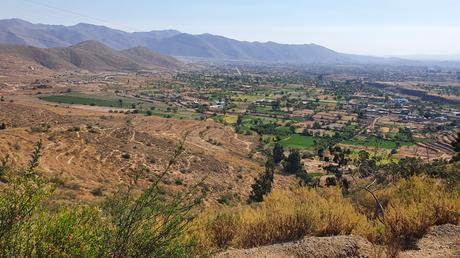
88	55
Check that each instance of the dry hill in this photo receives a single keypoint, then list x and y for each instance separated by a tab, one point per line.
89	55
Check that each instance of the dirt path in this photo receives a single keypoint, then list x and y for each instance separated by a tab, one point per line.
248	144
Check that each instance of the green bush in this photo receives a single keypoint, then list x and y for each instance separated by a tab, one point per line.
124	225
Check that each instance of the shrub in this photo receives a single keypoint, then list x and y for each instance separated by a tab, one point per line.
98	191
223	229
411	206
72	231
416	204
290	215
125	225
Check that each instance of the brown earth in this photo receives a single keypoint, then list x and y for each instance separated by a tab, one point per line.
107	148
87	55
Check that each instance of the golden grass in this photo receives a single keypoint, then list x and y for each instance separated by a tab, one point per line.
411	206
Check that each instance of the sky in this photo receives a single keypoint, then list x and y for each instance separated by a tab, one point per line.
371	27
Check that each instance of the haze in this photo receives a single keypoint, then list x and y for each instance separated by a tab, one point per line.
383	28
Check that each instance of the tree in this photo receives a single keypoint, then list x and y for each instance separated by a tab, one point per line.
321	153
305	178
406	167
239	120
306	132
316	125
366	166
456	144
293	164
278	153
276	105
263	184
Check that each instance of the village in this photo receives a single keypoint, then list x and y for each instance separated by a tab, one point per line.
307	113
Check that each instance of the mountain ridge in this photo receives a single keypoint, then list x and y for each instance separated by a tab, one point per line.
172	42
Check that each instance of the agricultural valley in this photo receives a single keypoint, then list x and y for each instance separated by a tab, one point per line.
362	158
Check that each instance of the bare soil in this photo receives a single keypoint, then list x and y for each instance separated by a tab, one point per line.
439	241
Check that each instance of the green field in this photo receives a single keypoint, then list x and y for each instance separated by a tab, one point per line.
93	100
374	142
230	119
114	101
269	110
298	141
318	174
350	128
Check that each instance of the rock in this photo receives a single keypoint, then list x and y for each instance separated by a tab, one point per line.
439	241
336	246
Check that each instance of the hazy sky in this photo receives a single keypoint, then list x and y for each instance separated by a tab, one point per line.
376	27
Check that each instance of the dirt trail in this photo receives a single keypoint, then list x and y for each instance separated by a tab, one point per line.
248	144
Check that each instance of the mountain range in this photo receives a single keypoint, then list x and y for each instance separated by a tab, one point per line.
89	55
172	43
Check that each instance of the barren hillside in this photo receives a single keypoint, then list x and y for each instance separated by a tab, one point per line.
87	150
88	55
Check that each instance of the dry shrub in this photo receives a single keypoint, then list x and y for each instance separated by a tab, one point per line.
337	215
411	207
264	227
283	216
223	228
417	204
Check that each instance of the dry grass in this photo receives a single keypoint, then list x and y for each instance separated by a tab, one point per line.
284	216
416	205
412	206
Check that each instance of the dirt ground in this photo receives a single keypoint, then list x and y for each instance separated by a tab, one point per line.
440	241
107	148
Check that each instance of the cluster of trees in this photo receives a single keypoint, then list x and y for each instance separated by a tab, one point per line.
456	146
366	168
291	165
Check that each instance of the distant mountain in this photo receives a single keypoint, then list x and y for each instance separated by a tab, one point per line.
146	57
455	57
89	55
171	42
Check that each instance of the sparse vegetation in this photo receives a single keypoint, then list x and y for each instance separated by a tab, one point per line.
412	205
125	225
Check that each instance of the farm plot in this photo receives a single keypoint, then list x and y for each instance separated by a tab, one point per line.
298	141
